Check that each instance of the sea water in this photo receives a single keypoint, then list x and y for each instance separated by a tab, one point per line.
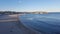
44	23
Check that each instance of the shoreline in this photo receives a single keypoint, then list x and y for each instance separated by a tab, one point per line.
12	23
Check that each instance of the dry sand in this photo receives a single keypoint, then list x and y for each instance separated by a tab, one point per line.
8	24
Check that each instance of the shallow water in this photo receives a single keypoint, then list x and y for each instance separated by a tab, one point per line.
44	23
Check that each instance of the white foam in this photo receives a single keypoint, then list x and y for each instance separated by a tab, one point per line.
30	18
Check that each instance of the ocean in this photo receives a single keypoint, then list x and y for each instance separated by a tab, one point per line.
44	23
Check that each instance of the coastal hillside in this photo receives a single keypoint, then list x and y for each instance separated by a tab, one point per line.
14	12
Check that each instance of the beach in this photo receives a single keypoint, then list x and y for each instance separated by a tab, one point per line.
10	24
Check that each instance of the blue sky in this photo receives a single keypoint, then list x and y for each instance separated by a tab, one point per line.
30	5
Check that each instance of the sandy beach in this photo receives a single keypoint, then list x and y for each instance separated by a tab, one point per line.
10	24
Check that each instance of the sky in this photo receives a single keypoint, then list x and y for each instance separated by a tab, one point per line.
30	5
